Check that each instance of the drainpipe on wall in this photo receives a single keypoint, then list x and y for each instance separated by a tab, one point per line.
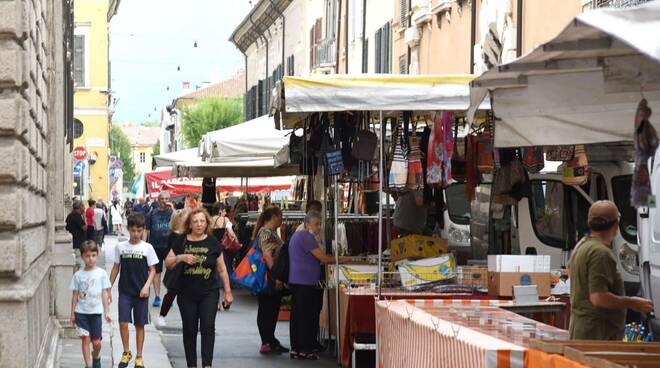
473	33
519	30
364	32
272	3
337	37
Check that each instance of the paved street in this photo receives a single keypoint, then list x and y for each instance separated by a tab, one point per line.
237	338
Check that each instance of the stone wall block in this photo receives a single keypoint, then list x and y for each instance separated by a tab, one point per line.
14	112
33	242
11	212
14	164
14	19
10	260
12	63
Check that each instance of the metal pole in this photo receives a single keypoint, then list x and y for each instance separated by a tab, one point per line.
381	148
336	226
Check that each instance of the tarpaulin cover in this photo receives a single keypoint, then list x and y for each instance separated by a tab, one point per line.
581	87
169	159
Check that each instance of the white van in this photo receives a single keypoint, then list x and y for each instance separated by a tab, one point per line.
649	238
553	218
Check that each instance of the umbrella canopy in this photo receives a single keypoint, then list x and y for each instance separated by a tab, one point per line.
581	87
168	159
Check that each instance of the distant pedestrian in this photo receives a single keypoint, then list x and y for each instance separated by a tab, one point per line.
158	230
75	224
99	217
89	219
116	217
136	259
141	207
177	234
199	295
89	303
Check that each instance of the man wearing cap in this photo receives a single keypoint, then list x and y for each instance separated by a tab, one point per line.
598	303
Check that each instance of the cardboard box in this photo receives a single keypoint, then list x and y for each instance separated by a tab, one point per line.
501	283
518	263
472	275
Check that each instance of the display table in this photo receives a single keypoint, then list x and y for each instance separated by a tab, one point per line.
423	334
357	310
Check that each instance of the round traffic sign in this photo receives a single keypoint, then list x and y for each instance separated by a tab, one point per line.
80	153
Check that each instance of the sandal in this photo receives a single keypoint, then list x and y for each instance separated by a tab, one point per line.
294	355
310	356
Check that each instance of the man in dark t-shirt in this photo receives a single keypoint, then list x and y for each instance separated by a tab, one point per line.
75	224
158	231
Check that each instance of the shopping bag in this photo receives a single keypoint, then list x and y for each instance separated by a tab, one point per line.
576	171
399	171
230	243
251	271
415	179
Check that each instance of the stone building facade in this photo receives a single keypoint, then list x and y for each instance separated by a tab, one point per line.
35	103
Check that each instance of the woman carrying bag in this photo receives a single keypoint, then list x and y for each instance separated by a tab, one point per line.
203	269
265	233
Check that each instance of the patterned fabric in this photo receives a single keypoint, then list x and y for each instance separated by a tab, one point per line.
576	171
415	180
560	153
533	159
438	172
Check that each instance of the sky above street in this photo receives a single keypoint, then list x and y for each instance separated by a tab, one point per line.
150	39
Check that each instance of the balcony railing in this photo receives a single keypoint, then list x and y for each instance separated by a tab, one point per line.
616	3
325	53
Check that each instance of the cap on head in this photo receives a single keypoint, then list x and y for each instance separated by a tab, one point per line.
603	215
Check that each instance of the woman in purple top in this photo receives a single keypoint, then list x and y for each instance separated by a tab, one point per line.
305	259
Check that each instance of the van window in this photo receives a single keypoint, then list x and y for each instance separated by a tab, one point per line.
458	205
621	192
546	206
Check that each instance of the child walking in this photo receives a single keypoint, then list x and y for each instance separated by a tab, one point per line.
90	301
135	259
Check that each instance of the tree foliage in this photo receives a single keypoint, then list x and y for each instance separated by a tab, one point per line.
156	148
209	114
120	146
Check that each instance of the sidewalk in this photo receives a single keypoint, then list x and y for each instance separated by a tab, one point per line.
154	354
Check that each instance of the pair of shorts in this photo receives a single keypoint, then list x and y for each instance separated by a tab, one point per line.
90	325
161	253
133	309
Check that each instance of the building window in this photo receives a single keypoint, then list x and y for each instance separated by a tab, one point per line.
143	157
383	49
79	60
78	128
330	18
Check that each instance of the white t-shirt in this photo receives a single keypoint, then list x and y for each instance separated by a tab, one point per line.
134	260
90	285
98	219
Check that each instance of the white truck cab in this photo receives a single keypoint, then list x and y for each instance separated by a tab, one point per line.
552	218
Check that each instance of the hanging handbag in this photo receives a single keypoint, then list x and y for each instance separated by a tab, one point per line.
230	243
364	145
458	165
576	171
172	278
560	153
251	272
295	147
398	176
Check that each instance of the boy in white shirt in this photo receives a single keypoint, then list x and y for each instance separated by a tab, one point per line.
90	300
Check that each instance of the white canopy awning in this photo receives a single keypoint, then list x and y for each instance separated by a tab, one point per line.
378	92
168	159
238	169
255	138
583	86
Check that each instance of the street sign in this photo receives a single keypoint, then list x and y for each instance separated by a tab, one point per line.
80	153
78	168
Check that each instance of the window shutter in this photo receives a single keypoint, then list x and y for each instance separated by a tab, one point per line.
386	59
79	60
318	31
403	64
403	21
365	53
311	48
378	43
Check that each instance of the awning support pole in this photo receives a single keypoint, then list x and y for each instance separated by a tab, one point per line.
381	147
336	245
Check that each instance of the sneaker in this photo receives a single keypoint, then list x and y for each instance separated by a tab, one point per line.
265	349
156	301
160	322
96	363
125	359
139	363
